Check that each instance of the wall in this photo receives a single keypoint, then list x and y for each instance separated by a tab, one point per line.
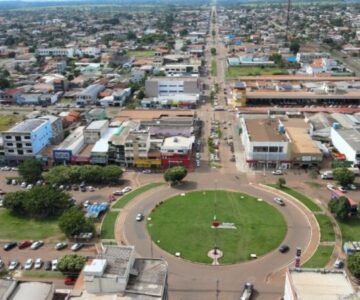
41	137
342	146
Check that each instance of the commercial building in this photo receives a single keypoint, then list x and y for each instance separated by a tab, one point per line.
100	152
56	128
95	130
182	69
172	101
137	146
347	142
319	284
71	146
29	290
164	86
117	273
176	151
67	52
26	139
90	94
265	143
308	57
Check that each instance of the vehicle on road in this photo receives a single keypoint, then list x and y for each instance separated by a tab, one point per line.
277	172
126	189
247	291
28	264
47	265
54	263
284	248
279	201
36	245
60	245
10	245
70	280
118	193
38	263
342	189
13	265
5	168
24	244
139	217
339	263
76	247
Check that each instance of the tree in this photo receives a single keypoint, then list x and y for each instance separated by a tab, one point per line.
339	207
175	174
354	264
183	32
111	173
294	46
131	35
71	264
57	175
31	170
141	94
213	51
4	83
39	202
344	176
281	182
73	222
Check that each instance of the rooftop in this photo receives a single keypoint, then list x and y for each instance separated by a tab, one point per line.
118	260
264	130
27	126
102	145
27	290
147	114
351	136
72	140
174	78
312	284
96	125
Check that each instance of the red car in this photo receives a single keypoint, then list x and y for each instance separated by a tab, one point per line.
24	244
70	280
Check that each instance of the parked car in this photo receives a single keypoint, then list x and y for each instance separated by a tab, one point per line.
24	244
147	171
279	201
70	280
60	245
28	264
47	265
284	248
36	245
13	265
139	217
10	245
198	163
5	168
23	184
330	187
126	189
352	187
75	187
339	263
76	247
118	193
90	188
342	189
277	172
38	263
14	182
54	263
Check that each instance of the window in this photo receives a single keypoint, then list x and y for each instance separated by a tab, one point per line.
28	151
20	152
273	149
11	151
8	137
9	144
18	138
28	144
260	149
27	137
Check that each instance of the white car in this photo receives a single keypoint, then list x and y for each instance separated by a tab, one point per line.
279	201
54	263
277	172
330	187
28	264
5	169
139	217
352	187
29	187
13	265
14	169
23	184
147	171
90	188
36	245
38	263
126	189
342	189
197	155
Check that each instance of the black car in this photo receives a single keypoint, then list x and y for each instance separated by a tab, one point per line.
9	246
284	248
47	265
75	187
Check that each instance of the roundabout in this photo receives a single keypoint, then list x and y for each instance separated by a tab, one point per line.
246	226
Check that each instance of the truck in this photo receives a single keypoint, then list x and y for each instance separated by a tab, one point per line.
247	291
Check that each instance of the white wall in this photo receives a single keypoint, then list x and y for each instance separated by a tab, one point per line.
342	146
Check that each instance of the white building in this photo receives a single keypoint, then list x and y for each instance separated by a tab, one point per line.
164	86
177	145
95	130
319	284
347	141
90	94
68	52
72	145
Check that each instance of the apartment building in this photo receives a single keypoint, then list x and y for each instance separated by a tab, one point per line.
164	86
26	139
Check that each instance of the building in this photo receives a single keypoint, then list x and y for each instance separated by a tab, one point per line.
117	274
100	152
177	100
265	143
182	69
56	128
90	94
95	130
9	96
308	57
29	290
347	142
164	86
137	146
319	284
67	52
121	96
70	147
26	139
176	151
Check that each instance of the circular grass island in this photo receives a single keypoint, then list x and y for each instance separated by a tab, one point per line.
184	224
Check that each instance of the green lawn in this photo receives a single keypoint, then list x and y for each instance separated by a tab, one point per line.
326	228
301	197
122	201
183	224
43	274
6	121
141	53
17	228
213	67
108	225
350	229
254	71
320	258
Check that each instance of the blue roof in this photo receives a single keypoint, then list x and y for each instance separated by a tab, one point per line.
291	59
95	210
